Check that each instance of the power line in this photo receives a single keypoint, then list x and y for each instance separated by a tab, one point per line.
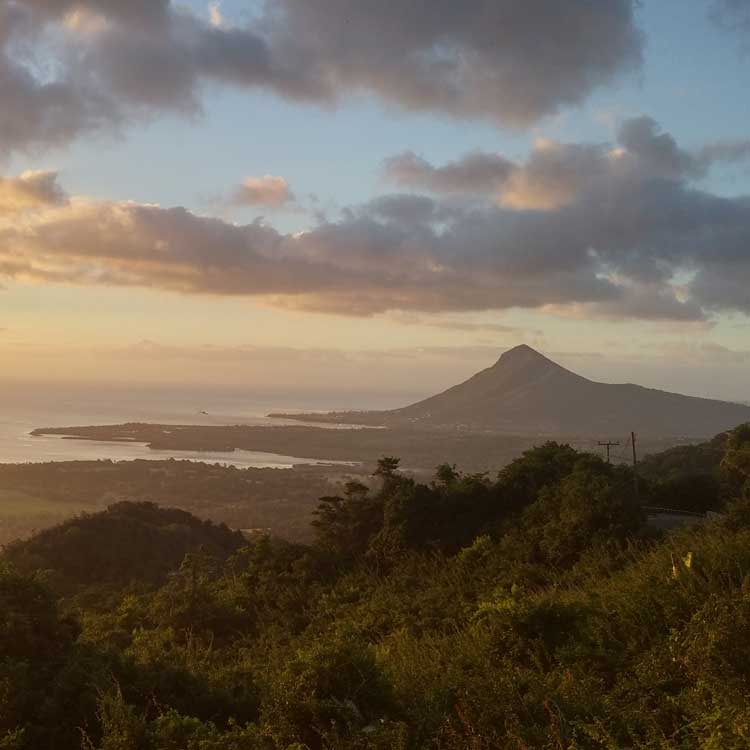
608	444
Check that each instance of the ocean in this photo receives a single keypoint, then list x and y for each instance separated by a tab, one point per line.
23	409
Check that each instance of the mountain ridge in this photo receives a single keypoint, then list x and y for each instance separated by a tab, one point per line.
526	392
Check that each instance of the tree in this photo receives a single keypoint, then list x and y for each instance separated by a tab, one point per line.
326	684
591	504
522	479
698	493
446	474
387	467
345	525
736	462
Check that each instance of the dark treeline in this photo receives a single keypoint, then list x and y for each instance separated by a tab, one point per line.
535	609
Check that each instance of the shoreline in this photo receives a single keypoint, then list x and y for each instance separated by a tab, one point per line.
417	447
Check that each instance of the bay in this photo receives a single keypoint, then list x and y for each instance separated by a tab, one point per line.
25	408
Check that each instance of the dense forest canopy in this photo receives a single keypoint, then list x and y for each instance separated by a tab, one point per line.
534	609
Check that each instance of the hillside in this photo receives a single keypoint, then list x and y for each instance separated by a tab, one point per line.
531	610
525	392
128	541
36	496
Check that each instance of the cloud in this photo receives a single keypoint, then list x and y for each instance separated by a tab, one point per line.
461	325
558	174
724	152
36	110
714	352
477	172
215	15
68	67
707	353
609	230
553	176
334	379
648	302
470	59
370	261
733	15
32	190
270	191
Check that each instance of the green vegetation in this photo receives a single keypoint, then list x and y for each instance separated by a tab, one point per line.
279	501
698	477
419	449
532	610
128	542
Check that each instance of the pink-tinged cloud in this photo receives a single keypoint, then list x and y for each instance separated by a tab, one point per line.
557	174
633	237
268	191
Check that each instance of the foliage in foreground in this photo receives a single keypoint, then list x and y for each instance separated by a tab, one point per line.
532	611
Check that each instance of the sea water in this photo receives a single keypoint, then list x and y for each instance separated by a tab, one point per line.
25	408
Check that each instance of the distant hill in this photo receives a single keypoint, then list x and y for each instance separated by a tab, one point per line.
127	542
525	392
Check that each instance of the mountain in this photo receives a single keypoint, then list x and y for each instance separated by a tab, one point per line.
525	392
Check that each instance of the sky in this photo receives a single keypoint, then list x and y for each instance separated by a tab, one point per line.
360	196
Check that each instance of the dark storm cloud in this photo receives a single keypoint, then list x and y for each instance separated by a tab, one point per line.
611	230
107	61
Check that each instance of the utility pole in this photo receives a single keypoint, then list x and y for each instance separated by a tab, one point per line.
635	465
608	444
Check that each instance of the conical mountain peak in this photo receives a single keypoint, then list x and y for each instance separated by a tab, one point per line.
522	350
523	356
526	392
